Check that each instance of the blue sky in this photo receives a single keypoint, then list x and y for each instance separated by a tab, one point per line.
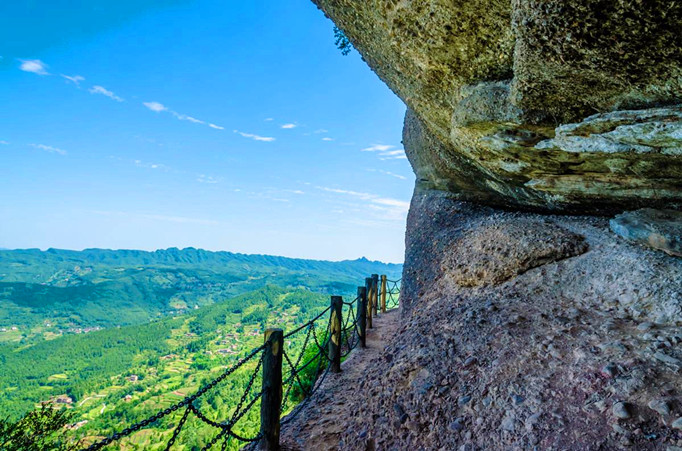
221	125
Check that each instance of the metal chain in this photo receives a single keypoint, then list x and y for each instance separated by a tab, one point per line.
177	429
226	431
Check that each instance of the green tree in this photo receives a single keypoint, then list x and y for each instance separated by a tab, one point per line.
38	430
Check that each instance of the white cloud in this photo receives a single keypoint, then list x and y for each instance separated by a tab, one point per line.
155	106
398	176
389	208
365	196
158	107
268	119
378	148
49	149
288	126
392	203
75	79
4	143
155	217
143	164
255	137
321	130
206	179
105	92
327	139
184	117
393	155
34	66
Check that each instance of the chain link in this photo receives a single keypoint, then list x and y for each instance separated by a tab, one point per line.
226	429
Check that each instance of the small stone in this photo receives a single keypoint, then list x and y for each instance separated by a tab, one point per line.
677	424
645	326
610	370
660	406
517	399
673	448
463	400
470	361
456	425
621	410
413	426
667	359
508	423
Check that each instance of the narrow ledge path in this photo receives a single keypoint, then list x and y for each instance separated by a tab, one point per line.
320	423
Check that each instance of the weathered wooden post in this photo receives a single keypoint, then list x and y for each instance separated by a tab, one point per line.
368	288
335	330
375	293
383	293
362	316
271	401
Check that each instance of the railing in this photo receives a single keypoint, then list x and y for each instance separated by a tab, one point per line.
289	377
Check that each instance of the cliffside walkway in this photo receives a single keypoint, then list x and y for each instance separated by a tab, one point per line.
282	376
318	425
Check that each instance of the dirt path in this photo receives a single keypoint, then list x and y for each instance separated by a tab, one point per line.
318	425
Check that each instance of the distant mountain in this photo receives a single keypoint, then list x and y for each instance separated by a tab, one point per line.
71	290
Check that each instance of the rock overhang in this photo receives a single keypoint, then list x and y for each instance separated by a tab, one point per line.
512	99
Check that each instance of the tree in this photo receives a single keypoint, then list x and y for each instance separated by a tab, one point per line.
342	42
40	429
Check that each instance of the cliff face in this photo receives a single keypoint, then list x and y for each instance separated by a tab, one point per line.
522	330
536	104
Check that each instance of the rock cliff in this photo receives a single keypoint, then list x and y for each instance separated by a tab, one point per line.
523	325
551	105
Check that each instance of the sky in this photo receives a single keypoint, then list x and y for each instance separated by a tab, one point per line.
222	125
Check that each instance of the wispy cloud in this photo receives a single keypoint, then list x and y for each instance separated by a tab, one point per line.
75	79
4	143
202	178
184	117
156	217
49	149
159	107
388	208
34	66
321	130
393	155
143	164
378	148
155	106
327	139
288	126
105	92
268	119
398	176
255	137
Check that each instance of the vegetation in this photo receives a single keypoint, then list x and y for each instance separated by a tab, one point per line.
40	429
342	42
170	322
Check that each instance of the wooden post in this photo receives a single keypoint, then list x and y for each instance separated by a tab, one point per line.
368	287
383	293
362	316
271	401
335	330
375	293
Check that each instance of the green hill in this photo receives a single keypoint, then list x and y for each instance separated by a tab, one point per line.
61	291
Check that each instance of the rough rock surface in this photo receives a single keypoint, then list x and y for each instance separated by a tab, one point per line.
577	354
503	246
613	273
490	84
654	228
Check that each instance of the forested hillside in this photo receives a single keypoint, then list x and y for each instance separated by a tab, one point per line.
53	292
115	335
